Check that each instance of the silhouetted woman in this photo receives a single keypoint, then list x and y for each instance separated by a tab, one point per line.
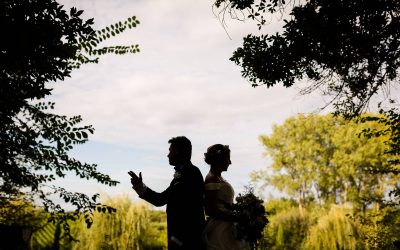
219	233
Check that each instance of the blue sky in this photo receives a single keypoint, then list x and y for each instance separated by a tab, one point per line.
181	83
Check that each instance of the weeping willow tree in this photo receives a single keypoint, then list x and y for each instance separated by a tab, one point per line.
50	235
287	229
131	227
333	231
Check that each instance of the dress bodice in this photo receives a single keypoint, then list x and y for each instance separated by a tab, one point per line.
225	192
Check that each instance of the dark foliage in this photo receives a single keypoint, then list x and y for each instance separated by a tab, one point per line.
43	43
348	49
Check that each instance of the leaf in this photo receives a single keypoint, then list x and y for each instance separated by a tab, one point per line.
84	134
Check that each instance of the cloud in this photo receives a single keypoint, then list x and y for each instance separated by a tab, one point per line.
181	83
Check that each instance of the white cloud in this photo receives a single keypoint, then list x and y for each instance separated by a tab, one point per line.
181	83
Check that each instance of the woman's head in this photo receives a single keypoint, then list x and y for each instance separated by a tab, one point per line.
218	156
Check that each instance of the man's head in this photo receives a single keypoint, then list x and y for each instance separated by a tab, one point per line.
180	150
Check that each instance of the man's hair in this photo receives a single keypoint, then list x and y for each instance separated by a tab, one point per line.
183	145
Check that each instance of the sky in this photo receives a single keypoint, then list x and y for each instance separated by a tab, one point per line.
181	83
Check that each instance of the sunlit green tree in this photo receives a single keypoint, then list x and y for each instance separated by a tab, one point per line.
321	160
326	159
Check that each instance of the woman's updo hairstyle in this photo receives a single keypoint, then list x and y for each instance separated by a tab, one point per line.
216	153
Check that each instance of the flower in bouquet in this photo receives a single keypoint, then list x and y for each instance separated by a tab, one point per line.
251	217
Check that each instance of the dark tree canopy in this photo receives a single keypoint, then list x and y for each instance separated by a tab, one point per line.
43	43
347	49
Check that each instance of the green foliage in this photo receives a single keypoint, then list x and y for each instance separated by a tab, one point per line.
21	212
275	206
287	229
280	240
333	231
132	226
336	161
380	228
50	235
298	149
47	44
390	132
156	233
333	227
326	159
47	234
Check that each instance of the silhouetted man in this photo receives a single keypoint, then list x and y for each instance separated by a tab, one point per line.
183	197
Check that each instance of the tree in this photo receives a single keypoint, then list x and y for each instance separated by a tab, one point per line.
334	230
349	50
44	44
287	229
295	150
325	158
133	226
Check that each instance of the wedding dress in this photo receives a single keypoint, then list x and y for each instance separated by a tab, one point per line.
220	234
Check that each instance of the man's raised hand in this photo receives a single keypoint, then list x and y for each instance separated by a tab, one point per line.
137	182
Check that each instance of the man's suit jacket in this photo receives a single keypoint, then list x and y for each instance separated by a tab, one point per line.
185	209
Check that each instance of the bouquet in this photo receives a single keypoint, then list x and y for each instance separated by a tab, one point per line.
251	215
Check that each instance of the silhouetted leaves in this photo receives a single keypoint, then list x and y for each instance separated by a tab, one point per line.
44	44
348	49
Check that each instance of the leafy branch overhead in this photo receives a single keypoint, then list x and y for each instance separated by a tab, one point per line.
243	9
46	44
90	46
349	50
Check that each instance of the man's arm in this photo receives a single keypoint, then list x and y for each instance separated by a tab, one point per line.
157	199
